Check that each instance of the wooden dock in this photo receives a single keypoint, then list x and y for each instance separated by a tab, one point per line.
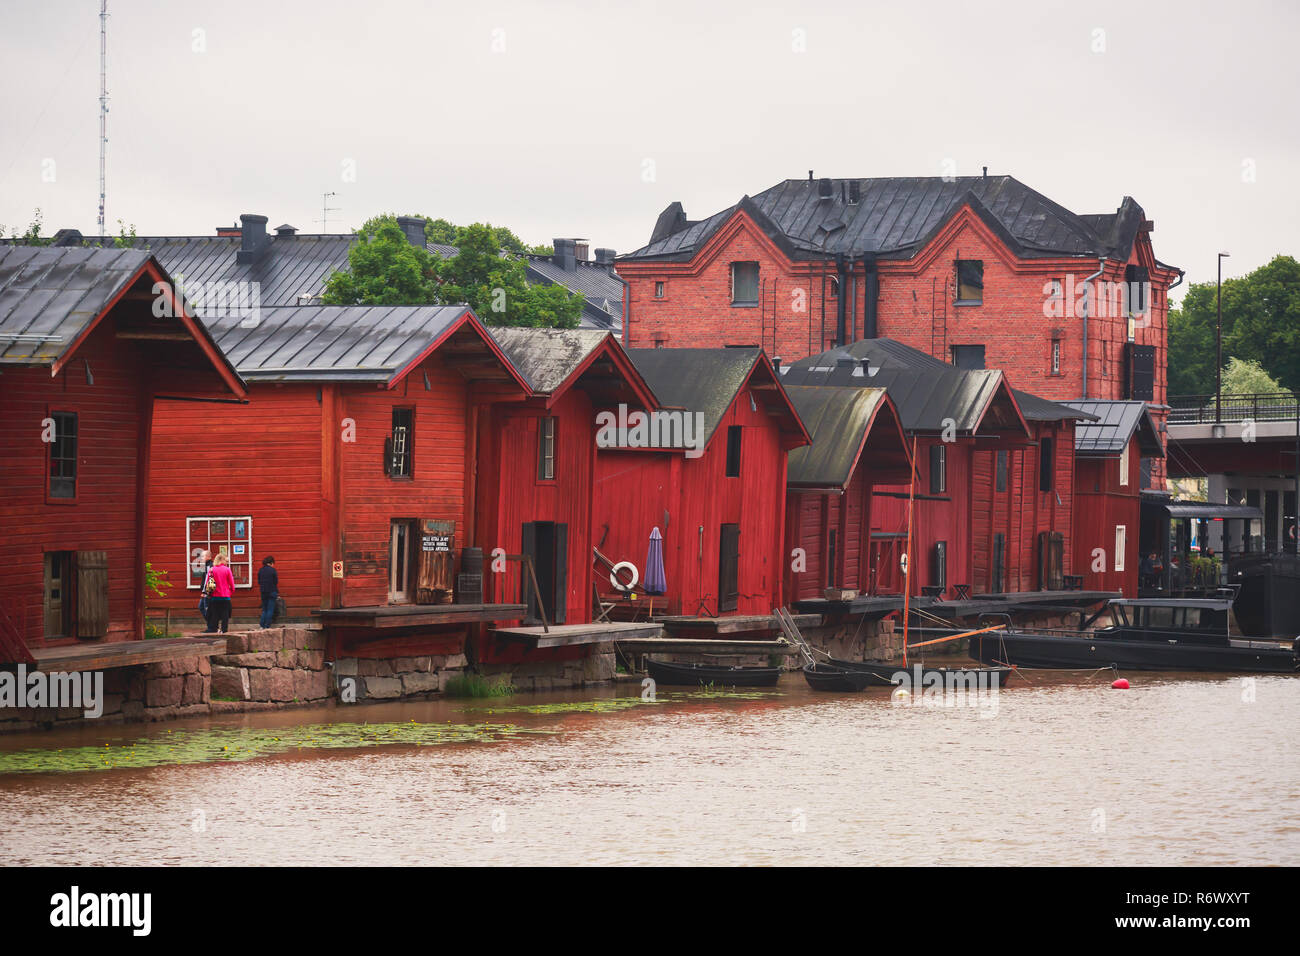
104	655
563	635
419	615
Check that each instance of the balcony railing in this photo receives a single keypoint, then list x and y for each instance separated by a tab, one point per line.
1262	407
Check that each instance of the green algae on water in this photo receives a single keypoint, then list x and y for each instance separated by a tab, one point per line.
229	745
607	704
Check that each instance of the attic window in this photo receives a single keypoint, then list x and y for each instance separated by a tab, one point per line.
835	288
970	281
733	451
744	283
397	450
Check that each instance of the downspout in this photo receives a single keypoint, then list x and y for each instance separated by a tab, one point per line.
1087	303
871	280
627	290
842	278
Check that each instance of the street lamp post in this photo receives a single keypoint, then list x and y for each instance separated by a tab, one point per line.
1218	346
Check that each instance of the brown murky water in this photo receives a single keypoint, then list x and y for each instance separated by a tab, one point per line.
1178	770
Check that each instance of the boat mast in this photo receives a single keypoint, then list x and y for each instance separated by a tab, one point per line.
907	553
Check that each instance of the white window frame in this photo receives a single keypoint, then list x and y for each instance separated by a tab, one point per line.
192	552
1056	357
1124	466
1121	545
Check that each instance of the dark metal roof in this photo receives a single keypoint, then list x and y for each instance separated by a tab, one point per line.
698	380
333	342
1036	409
547	357
293	270
926	391
1114	425
838	420
1203	509
896	216
50	295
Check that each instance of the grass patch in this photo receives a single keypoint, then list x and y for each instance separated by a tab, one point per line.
476	685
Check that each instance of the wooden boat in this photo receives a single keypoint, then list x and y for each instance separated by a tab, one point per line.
1163	634
672	673
830	677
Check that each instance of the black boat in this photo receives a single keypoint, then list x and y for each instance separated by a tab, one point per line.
671	673
1268	599
1152	634
831	677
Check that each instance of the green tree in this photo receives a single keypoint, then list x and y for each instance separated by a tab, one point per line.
31	236
1261	323
384	269
1246	377
496	286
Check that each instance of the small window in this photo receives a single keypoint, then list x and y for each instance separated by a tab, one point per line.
1001	482
231	534
834	288
397	453
832	558
63	456
659	290
968	356
546	449
970	281
733	451
1046	464
938	469
1056	356
744	283
1124	466
1137	281
1121	542
1144	473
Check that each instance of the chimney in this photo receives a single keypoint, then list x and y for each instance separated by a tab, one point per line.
824	189
67	237
565	254
581	250
986	172
229	232
413	227
810	177
284	229
605	257
776	364
855	192
866	366
253	240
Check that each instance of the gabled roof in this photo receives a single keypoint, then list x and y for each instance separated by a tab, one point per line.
52	297
927	392
552	360
1036	409
346	343
1114	425
841	420
894	217
708	381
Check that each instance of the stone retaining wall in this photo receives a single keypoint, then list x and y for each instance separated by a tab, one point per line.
276	667
597	667
388	678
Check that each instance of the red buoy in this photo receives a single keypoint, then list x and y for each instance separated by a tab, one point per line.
1120	684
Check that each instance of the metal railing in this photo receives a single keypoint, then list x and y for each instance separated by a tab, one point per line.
1260	407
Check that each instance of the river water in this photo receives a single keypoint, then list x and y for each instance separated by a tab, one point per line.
1177	770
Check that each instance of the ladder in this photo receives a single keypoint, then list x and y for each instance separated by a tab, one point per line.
939	319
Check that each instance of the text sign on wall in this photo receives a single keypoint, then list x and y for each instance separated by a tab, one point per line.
436	542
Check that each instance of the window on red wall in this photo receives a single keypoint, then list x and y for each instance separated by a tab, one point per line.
63	455
970	281
1046	464
744	283
546	448
1001	481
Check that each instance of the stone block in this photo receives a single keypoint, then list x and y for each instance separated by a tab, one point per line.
313	640
367	667
238	644
275	684
311	685
598	667
164	691
382	687
230	682
345	667
311	660
158	669
286	658
269	640
421	682
196	690
455	661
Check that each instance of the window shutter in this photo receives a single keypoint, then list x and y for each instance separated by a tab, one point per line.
729	568
388	455
528	546
92	594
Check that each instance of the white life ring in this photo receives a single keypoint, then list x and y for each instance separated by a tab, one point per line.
619	585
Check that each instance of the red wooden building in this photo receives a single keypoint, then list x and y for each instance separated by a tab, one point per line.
347	465
992	477
1109	453
969	269
857	444
536	466
85	360
719	504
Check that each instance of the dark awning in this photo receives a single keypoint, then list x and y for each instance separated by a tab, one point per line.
1201	509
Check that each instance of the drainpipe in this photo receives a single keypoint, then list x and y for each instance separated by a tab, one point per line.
871	281
842	277
1087	304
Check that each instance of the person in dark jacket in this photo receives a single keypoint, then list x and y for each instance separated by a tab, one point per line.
268	582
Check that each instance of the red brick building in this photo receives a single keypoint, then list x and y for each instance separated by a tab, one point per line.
980	271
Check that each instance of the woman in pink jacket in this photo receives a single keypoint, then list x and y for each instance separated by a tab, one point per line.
222	591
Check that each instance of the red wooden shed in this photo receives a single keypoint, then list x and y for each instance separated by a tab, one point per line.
85	357
718	504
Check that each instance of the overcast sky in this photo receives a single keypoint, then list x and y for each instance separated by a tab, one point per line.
586	119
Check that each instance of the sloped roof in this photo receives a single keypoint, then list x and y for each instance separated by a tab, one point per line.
1114	425
839	420
926	391
547	357
895	216
333	343
49	296
1036	409
705	380
294	268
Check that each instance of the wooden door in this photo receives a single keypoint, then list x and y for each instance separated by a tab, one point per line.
92	594
729	568
399	562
